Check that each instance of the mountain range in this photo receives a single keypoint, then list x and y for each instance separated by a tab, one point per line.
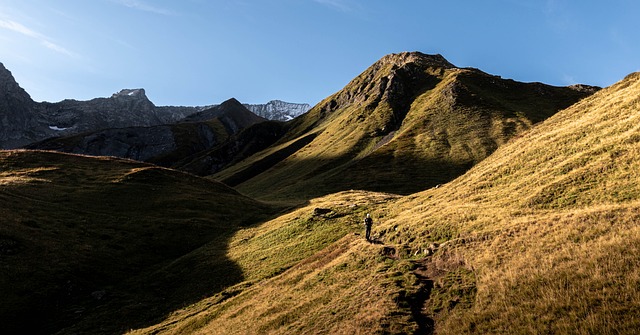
498	206
25	121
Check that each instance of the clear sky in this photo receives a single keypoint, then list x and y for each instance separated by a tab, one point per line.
199	52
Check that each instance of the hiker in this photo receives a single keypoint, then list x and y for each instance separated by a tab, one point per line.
368	222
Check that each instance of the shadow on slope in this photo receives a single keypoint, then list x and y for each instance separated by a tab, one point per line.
99	244
303	274
401	175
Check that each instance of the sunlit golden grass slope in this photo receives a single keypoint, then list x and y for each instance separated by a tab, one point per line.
407	123
541	237
547	228
101	241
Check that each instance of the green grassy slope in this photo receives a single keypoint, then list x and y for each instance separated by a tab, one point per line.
103	239
409	122
541	237
292	283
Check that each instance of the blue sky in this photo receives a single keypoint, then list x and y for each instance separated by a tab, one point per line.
199	52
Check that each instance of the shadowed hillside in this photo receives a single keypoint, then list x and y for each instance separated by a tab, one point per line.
409	122
161	144
541	237
239	146
103	239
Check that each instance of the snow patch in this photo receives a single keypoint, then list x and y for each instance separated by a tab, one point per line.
57	128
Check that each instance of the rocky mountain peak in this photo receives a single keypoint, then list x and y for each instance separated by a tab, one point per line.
137	93
9	88
421	59
279	110
15	112
387	87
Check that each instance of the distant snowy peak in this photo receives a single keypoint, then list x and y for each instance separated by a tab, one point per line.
278	110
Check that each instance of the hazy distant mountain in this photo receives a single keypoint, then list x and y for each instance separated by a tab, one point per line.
279	110
24	121
163	144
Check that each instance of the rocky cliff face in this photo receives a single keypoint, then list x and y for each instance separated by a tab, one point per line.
279	110
127	108
24	121
162	144
17	122
139	143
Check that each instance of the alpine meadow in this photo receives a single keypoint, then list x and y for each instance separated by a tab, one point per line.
498	206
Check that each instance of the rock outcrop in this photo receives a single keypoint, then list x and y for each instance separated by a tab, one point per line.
279	110
24	121
162	144
17	122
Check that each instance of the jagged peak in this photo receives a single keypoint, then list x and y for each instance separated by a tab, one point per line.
9	86
394	78
131	92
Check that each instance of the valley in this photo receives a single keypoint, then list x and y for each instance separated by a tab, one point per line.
499	207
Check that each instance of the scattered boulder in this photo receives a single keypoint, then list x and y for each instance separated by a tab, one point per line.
321	211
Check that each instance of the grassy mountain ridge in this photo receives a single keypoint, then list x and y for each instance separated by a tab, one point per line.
533	230
547	225
409	122
81	235
540	237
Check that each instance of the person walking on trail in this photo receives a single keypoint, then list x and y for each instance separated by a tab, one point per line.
368	222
